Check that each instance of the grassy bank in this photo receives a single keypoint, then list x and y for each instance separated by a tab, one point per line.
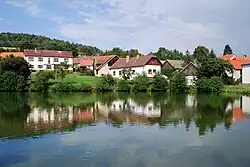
237	89
75	79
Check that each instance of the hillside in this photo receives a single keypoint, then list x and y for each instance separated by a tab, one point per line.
22	41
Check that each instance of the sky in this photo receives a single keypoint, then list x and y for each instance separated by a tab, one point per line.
134	24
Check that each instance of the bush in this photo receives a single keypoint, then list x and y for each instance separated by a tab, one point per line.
178	83
84	88
141	83
107	83
214	84
12	82
123	86
159	83
42	81
63	87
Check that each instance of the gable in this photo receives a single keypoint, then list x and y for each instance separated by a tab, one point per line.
167	65
154	61
190	70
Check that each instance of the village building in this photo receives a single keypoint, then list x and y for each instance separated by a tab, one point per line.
16	54
40	60
190	71
238	62
99	64
147	64
175	65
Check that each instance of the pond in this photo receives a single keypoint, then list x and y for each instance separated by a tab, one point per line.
125	130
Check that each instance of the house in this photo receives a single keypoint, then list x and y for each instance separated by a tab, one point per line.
175	65
16	54
100	64
246	73
147	64
48	59
190	71
237	62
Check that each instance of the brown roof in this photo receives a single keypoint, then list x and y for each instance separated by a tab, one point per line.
17	54
88	60
177	64
48	53
132	62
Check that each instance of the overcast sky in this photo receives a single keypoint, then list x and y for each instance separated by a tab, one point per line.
142	24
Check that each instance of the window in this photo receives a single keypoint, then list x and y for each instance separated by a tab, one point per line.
133	72
120	72
56	60
149	71
154	71
150	108
40	66
31	66
40	59
113	73
66	59
31	59
49	67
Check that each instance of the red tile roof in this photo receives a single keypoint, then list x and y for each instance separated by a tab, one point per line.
48	53
236	61
88	60
237	64
17	54
132	62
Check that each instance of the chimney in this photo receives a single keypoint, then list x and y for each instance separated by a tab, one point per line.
137	56
35	49
127	58
245	56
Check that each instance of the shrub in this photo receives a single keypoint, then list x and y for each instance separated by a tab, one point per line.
159	83
12	82
141	83
178	83
214	84
84	88
42	81
123	86
107	83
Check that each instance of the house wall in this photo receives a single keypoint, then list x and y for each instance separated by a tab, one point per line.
246	74
47	61
138	70
103	71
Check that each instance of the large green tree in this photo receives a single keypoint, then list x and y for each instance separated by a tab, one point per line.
164	54
227	50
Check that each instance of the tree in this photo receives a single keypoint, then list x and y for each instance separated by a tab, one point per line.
141	83
159	83
214	67
126	74
178	83
164	54
201	54
133	52
61	73
12	82
227	50
188	58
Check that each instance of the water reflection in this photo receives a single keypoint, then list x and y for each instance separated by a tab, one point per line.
37	114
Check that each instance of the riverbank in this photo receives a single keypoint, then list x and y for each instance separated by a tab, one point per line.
237	89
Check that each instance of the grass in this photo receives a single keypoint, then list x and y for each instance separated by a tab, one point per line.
74	78
238	89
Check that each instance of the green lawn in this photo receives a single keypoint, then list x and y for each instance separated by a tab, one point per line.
239	89
75	78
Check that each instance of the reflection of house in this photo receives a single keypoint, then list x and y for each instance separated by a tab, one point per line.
149	65
54	118
148	110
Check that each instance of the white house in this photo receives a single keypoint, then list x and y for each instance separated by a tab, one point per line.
149	65
48	59
246	73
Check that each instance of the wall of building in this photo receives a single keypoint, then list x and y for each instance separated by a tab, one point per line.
103	71
47	61
138	70
245	74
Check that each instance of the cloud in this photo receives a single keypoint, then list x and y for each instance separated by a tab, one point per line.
147	24
30	6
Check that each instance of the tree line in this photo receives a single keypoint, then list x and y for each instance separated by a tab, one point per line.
21	41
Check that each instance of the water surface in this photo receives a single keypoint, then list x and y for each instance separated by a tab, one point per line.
125	130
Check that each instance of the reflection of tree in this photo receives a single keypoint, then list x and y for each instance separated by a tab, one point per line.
13	113
211	111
